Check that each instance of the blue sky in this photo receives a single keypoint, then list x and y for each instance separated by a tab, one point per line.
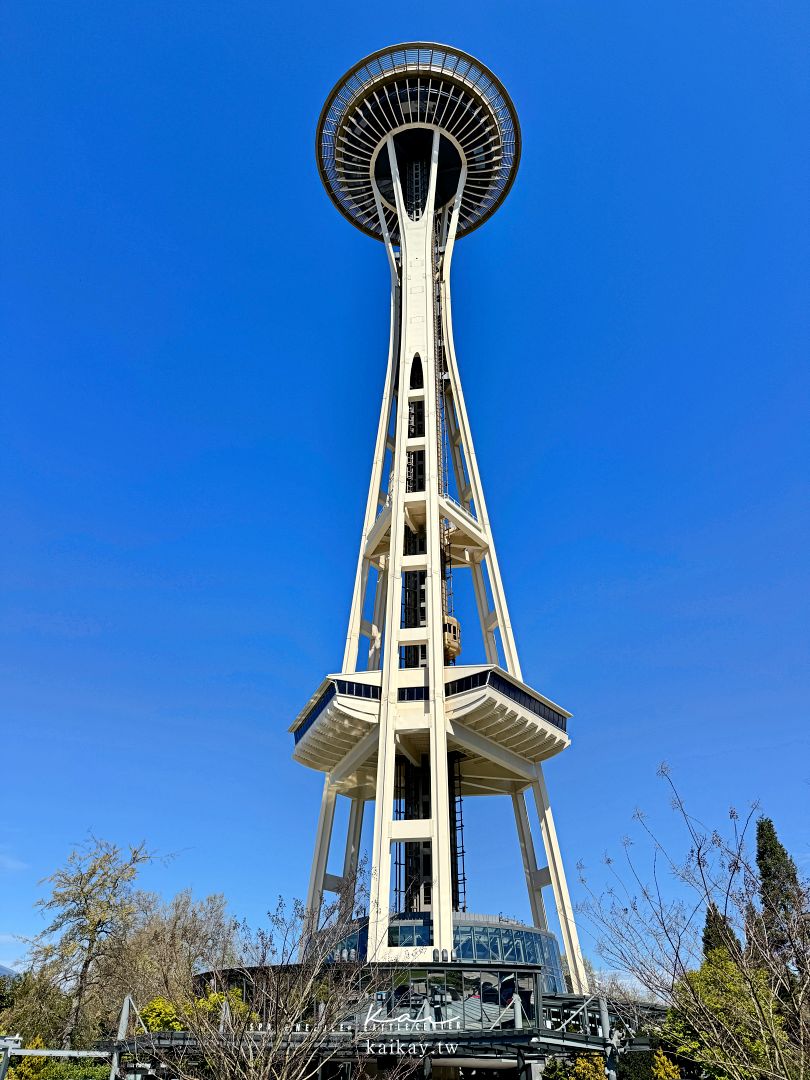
193	348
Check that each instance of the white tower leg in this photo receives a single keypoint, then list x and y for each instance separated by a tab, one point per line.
323	839
556	871
534	882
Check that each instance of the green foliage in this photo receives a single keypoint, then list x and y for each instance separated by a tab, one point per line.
635	1066
37	1007
29	1067
43	1068
555	1069
212	1004
583	1067
92	905
6	993
723	999
587	1067
717	933
160	1015
60	1069
662	1068
779	887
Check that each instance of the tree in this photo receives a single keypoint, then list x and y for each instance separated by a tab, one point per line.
662	1068
779	888
107	939
6	993
727	1018
635	1066
556	1069
44	1068
717	934
587	1067
159	1014
91	902
35	1007
738	1007
275	1013
166	944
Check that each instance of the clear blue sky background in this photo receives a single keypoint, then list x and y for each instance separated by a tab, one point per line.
193	346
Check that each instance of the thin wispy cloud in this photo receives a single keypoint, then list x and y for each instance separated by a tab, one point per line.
9	864
11	950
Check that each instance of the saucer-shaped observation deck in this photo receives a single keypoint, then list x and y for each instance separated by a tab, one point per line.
409	91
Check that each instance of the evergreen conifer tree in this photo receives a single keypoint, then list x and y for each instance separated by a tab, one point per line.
717	933
779	889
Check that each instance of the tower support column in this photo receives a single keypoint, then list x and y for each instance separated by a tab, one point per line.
417	352
568	928
323	839
353	832
534	884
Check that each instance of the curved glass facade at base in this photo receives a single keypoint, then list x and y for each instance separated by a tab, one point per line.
477	940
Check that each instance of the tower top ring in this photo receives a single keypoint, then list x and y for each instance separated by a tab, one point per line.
417	85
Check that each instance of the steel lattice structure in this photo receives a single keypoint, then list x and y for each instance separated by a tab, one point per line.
417	85
418	145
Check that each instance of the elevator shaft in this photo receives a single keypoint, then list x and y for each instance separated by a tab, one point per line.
413	869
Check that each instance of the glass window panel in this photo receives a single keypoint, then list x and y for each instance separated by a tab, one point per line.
592	1024
508	945
526	989
393	936
406	935
453	984
481	943
519	955
506	999
553	956
530	942
490	999
472	1000
454	1004
422	935
418	988
401	992
494	943
465	943
546	949
437	995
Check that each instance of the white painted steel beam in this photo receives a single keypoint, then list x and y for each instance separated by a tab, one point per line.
488	748
565	911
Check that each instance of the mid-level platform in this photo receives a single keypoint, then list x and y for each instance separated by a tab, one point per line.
500	726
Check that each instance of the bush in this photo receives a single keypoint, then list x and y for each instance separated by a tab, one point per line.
588	1067
663	1068
43	1068
160	1015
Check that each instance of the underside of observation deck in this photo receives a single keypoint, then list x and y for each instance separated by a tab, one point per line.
498	726
397	91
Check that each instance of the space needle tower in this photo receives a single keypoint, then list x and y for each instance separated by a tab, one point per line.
417	146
